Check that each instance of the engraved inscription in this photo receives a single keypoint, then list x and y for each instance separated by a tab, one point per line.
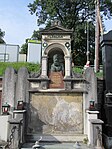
56	80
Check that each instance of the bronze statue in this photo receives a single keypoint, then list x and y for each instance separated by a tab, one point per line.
57	66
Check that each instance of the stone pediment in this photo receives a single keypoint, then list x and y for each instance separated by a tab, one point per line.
56	29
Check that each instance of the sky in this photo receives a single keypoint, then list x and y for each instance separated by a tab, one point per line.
108	25
18	23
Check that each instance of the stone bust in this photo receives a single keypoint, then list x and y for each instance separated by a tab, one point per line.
56	65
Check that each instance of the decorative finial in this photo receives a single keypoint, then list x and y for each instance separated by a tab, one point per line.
56	22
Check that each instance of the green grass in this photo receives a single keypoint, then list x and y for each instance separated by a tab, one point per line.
78	70
99	75
16	65
36	67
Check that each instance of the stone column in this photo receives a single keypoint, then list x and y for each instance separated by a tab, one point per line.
90	115
15	132
44	66
67	66
21	115
44	77
96	132
4	127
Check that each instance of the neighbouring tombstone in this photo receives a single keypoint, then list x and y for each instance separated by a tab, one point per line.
91	86
22	86
9	83
106	44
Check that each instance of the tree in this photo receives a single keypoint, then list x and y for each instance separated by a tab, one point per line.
24	48
69	12
36	35
2	34
72	14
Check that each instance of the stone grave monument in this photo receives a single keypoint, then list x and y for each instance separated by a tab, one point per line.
57	101
59	98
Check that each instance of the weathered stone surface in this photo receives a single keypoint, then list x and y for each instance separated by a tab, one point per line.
58	146
100	91
56	113
22	85
91	86
9	81
106	44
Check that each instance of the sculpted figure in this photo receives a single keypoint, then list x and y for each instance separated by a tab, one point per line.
56	66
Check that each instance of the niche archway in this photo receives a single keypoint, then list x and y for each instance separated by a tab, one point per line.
51	53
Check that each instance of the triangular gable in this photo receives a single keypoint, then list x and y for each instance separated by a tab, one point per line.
56	28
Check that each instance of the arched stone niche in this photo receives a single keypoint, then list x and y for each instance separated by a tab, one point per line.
53	49
47	59
56	44
53	52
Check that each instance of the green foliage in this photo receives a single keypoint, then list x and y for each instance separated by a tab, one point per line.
78	70
85	140
33	67
24	48
36	35
73	14
16	65
69	12
99	75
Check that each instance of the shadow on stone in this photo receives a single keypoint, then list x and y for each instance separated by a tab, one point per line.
36	125
107	137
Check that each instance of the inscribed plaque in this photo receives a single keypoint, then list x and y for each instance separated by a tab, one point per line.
56	80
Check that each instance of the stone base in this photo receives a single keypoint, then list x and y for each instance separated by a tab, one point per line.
57	146
56	138
4	127
56	113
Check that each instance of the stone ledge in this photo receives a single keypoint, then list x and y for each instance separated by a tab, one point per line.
57	91
74	79
19	111
15	121
92	111
96	121
38	79
3	144
56	138
64	79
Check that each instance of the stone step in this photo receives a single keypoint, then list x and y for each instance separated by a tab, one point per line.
55	137
56	146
